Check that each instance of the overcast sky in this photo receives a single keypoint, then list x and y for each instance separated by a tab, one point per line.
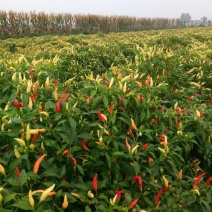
138	8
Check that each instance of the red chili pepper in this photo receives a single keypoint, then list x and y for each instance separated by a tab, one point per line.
8	149
31	73
110	110
176	122
196	181
145	146
162	107
16	103
84	144
34	90
139	179
189	98
55	83
63	178
153	107
119	193
172	90
58	106
208	181
101	116
65	152
160	192
74	161
65	98
133	203
95	182
17	172
35	136
107	83
166	129
201	113
34	97
162	137
21	104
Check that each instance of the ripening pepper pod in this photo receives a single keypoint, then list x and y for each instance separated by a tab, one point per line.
197	180
29	86
113	201
30	103
139	180
65	152
37	163
111	82
84	141
128	145
133	125
31	200
180	174
133	203
102	117
134	149
44	113
95	182
46	192
16	152
124	87
20	141
65	202
90	194
166	182
2	170
28	134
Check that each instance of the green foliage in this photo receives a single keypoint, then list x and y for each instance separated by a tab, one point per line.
125	125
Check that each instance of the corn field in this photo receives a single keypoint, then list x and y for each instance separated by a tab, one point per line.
21	23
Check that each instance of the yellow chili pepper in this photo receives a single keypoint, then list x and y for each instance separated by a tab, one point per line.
28	134
2	170
20	141
46	192
31	200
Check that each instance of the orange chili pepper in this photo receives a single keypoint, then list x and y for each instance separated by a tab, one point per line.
37	163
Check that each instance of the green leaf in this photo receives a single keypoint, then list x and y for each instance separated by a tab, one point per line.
23	204
105	101
13	96
9	197
22	178
80	169
85	136
136	168
87	209
120	154
108	159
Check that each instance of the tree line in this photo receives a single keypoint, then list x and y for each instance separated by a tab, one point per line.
32	23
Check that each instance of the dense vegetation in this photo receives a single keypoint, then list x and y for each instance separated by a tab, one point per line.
116	122
22	24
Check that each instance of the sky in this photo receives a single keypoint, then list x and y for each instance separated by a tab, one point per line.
137	8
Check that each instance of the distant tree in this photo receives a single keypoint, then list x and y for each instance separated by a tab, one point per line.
185	17
204	20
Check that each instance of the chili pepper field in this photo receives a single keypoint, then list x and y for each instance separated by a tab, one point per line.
107	122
